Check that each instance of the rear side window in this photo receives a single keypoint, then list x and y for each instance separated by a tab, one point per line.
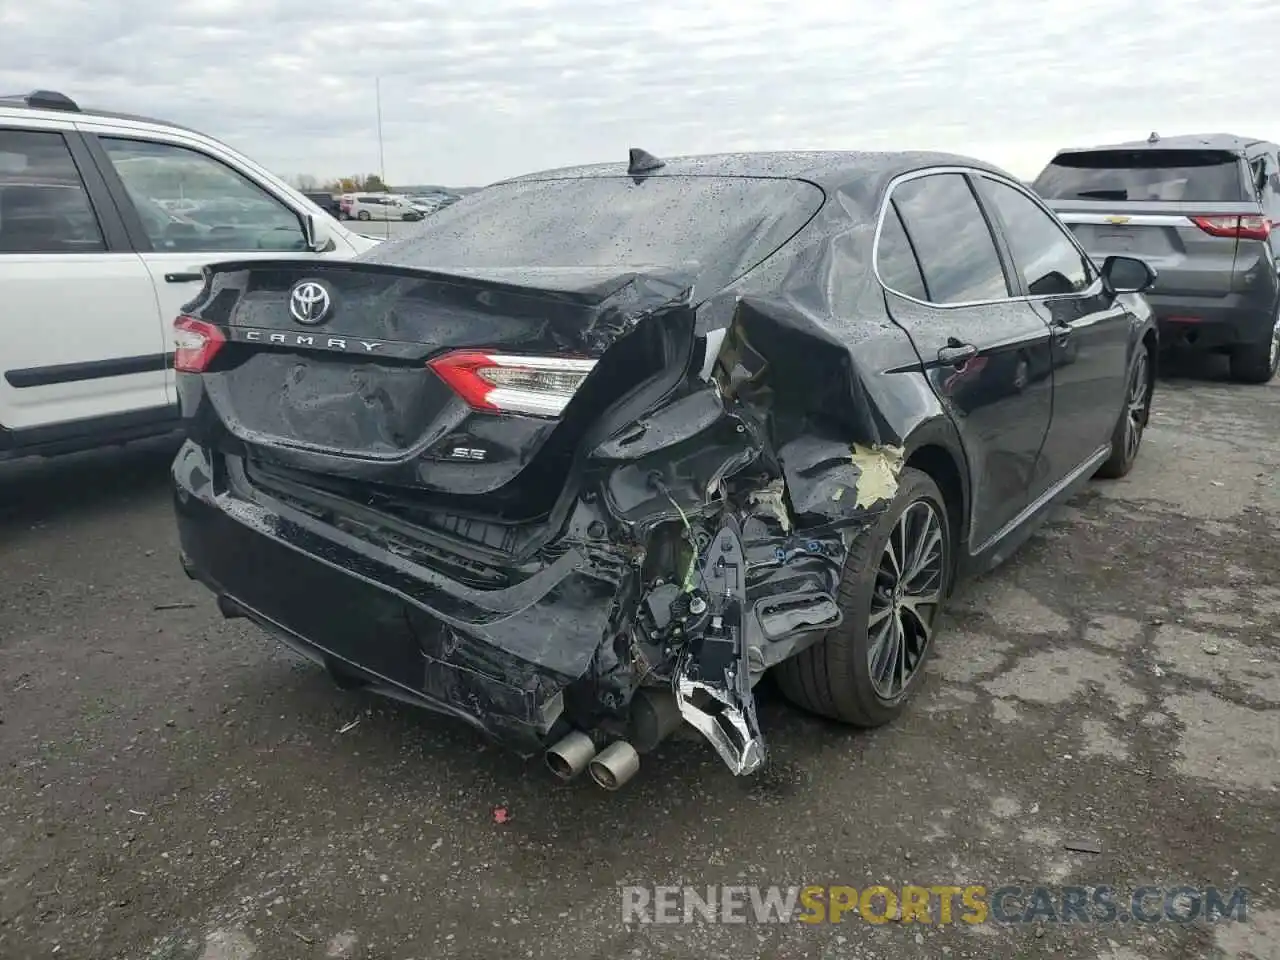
1172	176
896	261
951	238
43	204
714	227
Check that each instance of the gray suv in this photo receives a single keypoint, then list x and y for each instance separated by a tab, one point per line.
1204	211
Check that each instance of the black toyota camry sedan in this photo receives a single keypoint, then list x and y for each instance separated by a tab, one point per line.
585	459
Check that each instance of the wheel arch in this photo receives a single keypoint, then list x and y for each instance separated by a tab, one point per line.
1151	343
934	448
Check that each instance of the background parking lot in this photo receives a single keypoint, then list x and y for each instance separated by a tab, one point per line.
177	786
387	229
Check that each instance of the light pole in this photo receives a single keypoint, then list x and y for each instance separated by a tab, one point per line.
382	157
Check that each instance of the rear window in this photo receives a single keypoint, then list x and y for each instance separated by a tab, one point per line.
716	227
1192	176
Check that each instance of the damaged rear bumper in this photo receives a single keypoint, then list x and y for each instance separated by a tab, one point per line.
698	578
499	660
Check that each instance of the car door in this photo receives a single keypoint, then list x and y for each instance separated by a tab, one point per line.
225	215
983	348
1090	343
80	339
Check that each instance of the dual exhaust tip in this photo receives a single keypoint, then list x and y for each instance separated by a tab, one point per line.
654	717
611	768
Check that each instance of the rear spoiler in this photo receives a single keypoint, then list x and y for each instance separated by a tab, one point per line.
652	289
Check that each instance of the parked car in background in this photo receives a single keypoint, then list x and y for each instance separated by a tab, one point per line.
431	202
582	461
325	201
1204	211
106	222
379	206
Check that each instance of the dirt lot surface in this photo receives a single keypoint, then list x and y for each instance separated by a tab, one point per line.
175	786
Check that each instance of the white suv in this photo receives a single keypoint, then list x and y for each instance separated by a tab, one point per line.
379	206
105	223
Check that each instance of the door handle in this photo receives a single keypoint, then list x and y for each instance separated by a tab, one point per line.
955	353
1062	333
182	277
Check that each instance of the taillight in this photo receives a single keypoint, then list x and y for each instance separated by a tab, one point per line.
196	343
503	383
1254	228
1243	228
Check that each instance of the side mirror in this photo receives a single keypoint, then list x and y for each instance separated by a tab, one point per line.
314	242
1128	274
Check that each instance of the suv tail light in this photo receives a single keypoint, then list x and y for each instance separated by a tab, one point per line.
1230	225
196	343
503	383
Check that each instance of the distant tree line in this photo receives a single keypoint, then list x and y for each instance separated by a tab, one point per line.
356	183
366	183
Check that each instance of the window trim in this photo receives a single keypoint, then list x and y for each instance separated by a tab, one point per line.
891	208
997	235
111	228
124	203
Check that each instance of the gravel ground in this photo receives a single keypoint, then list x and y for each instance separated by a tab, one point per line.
175	786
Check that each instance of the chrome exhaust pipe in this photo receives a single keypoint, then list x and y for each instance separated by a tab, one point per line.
569	755
613	766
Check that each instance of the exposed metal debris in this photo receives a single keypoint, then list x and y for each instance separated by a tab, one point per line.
878	469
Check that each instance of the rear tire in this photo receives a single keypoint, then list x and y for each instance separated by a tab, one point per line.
1126	438
364	215
1255	363
835	677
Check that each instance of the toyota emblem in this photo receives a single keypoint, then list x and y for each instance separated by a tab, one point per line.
309	303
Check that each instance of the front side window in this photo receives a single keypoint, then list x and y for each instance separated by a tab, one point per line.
44	207
954	245
190	202
1044	255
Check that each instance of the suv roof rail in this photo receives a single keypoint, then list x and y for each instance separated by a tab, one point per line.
53	100
44	100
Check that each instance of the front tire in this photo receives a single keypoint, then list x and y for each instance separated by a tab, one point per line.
1127	436
364	215
895	581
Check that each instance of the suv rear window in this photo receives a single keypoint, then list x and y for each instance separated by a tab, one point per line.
1192	176
716	227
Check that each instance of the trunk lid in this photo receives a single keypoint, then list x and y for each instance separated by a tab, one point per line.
326	367
1180	210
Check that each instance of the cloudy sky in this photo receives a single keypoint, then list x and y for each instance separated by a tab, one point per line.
476	91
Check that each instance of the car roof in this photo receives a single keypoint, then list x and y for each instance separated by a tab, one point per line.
1230	142
826	168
